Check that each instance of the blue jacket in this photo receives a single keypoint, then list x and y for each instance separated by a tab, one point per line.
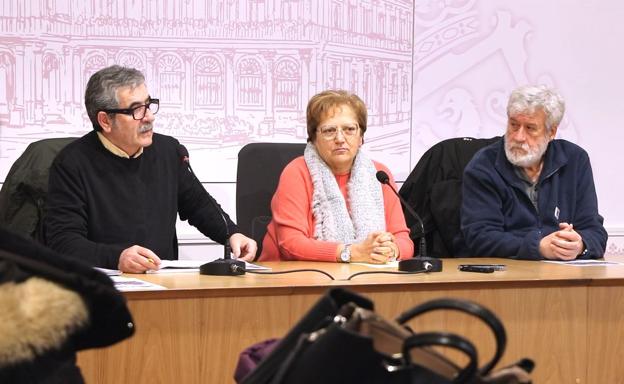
498	218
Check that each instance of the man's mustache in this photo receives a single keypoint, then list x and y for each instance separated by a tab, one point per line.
146	127
524	147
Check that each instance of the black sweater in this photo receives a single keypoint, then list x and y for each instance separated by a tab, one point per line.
100	204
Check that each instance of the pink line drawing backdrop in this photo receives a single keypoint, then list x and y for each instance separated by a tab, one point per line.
226	72
229	72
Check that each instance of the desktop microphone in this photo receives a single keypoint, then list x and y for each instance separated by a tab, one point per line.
220	267
420	262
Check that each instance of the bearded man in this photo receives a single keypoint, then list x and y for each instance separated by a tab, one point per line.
531	196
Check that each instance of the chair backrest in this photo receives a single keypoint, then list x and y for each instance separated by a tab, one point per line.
24	191
259	168
433	190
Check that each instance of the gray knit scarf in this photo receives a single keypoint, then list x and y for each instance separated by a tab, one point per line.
333	221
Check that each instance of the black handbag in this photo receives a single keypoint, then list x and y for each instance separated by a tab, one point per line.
342	340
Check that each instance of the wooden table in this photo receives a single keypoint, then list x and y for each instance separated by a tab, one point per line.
568	319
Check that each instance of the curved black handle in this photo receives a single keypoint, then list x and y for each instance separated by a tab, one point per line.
445	339
471	308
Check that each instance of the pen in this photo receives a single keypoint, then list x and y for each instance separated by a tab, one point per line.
483	268
496	267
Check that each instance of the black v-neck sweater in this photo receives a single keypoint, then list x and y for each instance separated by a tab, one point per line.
99	204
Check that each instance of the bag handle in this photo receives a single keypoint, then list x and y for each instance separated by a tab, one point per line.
470	308
445	339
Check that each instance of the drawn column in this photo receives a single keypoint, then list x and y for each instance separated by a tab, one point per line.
189	80
267	125
110	56
66	85
379	85
400	92
305	55
15	93
228	87
36	88
346	73
151	72
319	72
77	86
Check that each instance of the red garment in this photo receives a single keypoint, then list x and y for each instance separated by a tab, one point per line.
290	234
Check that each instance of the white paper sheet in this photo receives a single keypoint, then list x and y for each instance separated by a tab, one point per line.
583	263
125	284
109	272
178	266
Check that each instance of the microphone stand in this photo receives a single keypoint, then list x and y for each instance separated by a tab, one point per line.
225	266
421	262
220	267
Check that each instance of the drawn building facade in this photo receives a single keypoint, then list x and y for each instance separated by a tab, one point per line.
224	70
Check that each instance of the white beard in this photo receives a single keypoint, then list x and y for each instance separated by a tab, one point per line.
532	156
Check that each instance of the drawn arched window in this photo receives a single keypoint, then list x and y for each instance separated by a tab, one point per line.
92	65
352	18
392	25
290	9
131	60
367	18
59	9
336	16
170	76
250	82
288	80
381	24
208	81
256	9
51	79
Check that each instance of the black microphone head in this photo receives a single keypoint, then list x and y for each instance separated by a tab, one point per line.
183	153
383	177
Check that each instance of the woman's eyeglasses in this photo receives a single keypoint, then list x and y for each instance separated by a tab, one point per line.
329	132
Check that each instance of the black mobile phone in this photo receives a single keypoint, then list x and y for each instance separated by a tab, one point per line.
482	268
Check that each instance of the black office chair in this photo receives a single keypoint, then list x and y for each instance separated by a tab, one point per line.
23	193
259	168
433	190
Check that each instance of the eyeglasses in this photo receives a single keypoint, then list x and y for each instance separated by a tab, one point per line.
139	112
329	132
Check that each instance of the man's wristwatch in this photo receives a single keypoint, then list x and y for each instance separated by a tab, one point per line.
345	254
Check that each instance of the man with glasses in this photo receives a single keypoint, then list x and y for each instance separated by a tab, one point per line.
114	194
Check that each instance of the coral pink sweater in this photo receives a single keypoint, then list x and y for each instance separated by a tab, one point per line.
290	234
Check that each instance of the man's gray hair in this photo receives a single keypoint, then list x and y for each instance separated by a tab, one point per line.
101	92
529	98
